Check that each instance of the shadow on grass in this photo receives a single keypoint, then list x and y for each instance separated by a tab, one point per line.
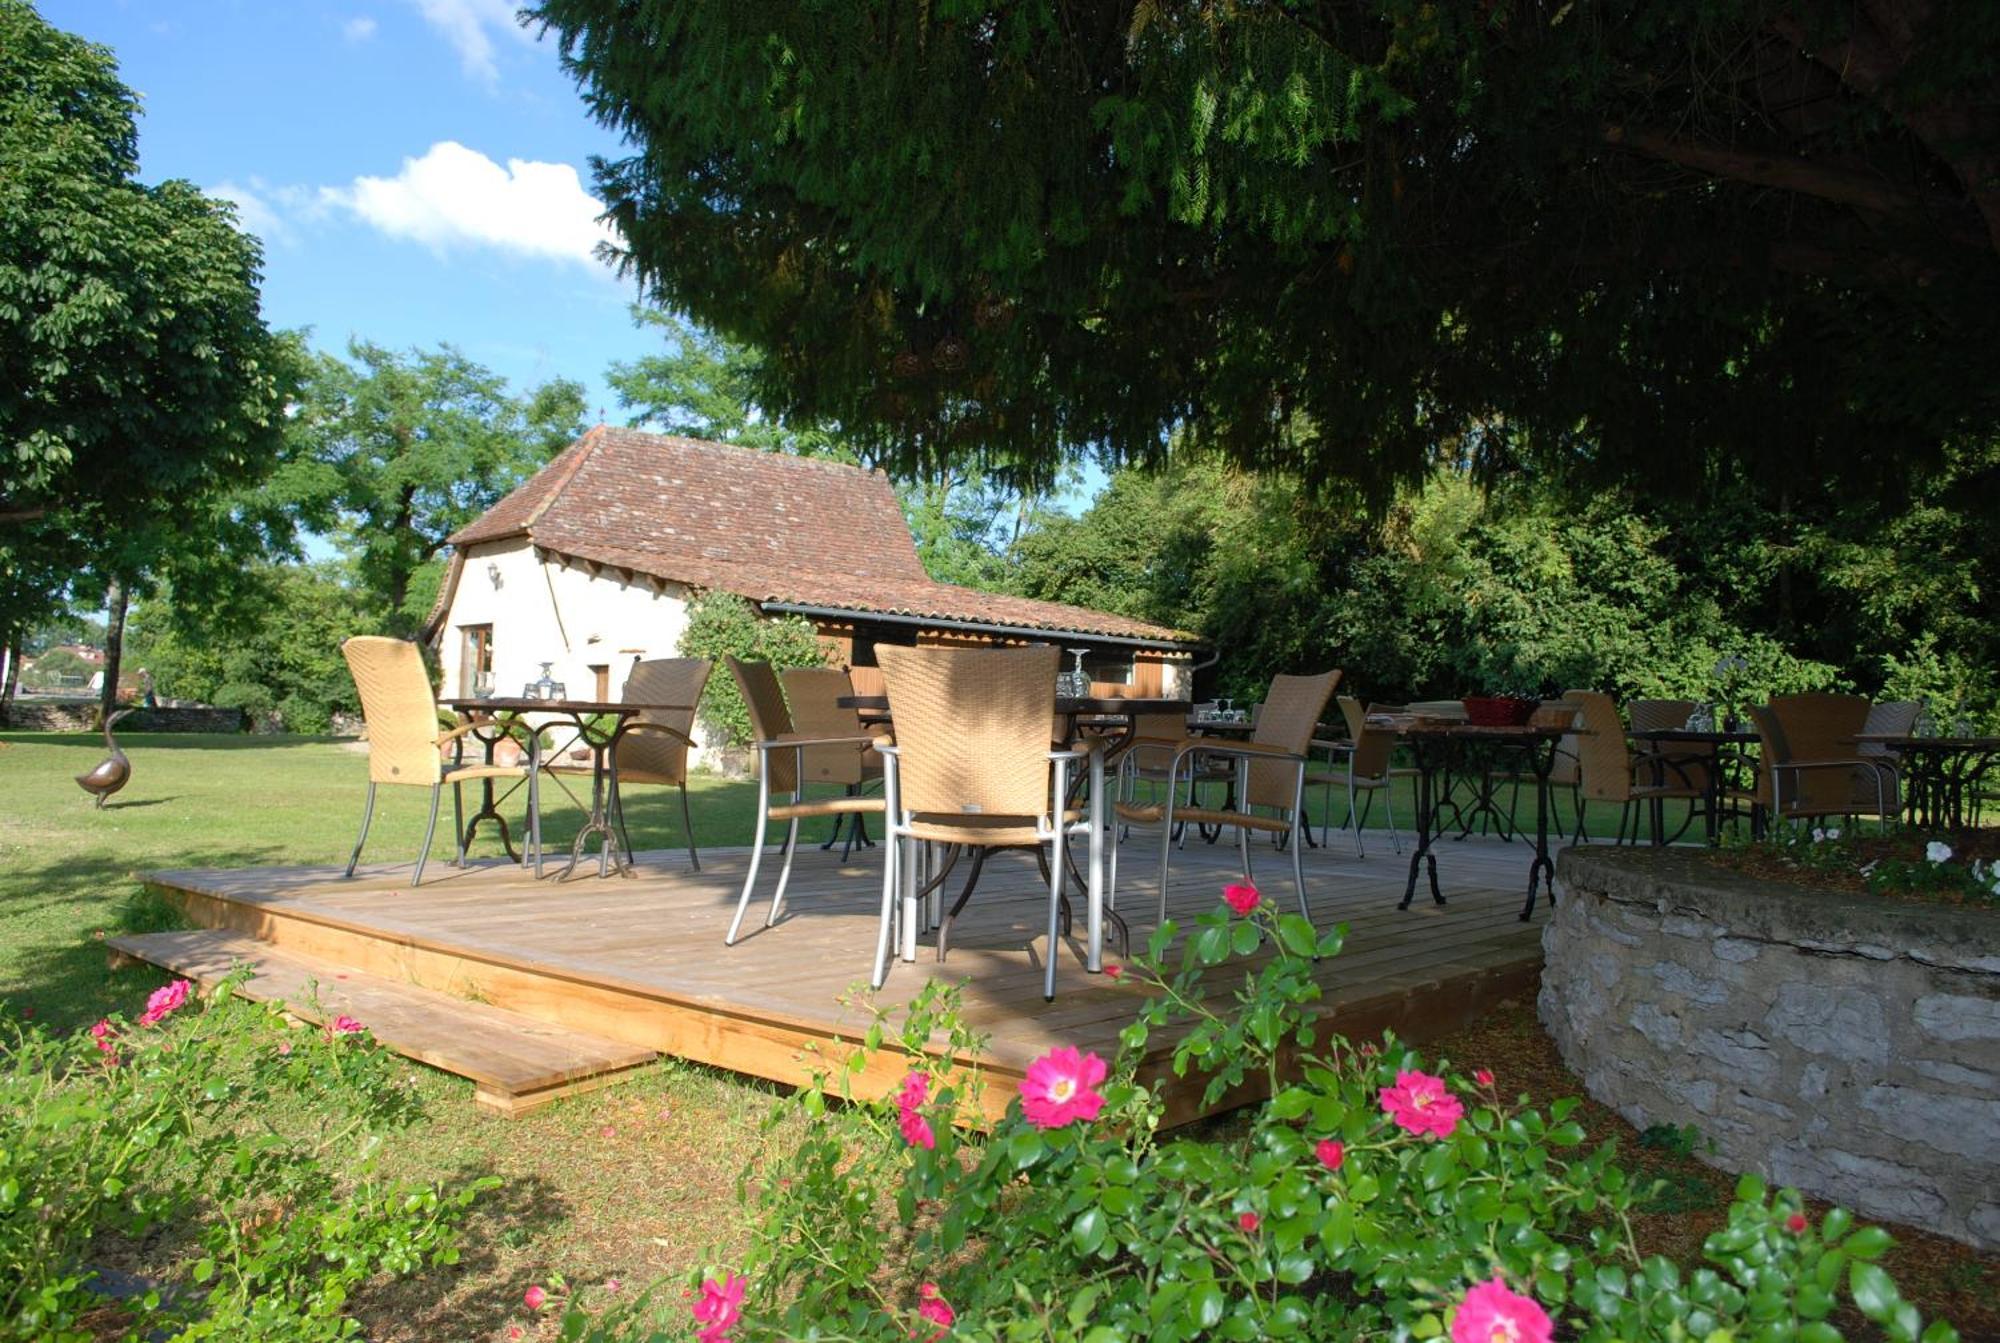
63	978
463	1300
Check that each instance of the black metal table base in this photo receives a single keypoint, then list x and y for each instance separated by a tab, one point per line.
1435	754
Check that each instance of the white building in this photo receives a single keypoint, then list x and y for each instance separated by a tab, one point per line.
589	566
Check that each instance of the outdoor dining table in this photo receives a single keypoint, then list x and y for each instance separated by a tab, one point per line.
1941	775
1715	766
587	719
1435	746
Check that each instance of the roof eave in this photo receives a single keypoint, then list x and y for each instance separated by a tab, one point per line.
977	626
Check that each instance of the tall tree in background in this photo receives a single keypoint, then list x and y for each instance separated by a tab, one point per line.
137	378
1635	240
402	449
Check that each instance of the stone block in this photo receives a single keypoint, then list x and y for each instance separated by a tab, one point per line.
1955	1016
1662	1028
1677	978
1839	1023
1742	1059
1736	950
1967	1126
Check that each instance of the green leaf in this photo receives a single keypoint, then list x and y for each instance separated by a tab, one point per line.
1088	1230
1870	1242
1873	1290
1025	1148
1205	1305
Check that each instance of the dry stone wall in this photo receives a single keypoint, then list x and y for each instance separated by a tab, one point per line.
1845	1045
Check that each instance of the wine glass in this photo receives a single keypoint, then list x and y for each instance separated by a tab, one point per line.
1079	679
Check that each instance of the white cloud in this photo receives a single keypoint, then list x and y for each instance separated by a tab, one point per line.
469	26
456	197
358	29
259	207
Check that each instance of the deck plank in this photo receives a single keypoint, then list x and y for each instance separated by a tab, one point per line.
641	959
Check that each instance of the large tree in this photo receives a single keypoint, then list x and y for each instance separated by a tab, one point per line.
1622	238
402	449
137	378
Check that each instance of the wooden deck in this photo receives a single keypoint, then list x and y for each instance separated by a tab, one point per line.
639	964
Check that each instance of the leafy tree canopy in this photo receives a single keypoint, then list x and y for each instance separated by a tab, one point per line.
135	370
1637	240
402	449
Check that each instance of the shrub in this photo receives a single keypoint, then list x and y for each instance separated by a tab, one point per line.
721	622
250	1146
1375	1194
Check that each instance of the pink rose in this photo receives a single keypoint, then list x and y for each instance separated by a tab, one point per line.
932	1308
1061	1087
1492	1314
719	1307
916	1130
1483	1077
1330	1152
1113	971
1249	1222
164	1002
534	1298
1420	1104
1241	896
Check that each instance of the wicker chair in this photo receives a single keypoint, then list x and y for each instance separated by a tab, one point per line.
405	746
1809	758
653	748
814	695
1683	769
1368	751
1608	769
1270	773
781	769
972	770
1884	766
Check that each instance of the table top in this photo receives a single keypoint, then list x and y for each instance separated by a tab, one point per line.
515	704
1904	741
1711	736
1065	704
1412	726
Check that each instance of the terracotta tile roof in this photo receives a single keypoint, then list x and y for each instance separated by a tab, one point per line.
765	526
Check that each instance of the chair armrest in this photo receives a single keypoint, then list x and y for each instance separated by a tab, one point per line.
1054	756
1326	744
792	740
450	735
1254	749
663	729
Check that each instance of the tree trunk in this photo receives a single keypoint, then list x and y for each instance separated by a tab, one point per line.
11	648
114	648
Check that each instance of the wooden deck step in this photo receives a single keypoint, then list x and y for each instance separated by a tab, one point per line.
515	1061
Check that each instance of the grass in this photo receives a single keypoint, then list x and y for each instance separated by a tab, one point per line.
629	1182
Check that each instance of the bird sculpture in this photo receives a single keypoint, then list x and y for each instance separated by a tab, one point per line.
113	772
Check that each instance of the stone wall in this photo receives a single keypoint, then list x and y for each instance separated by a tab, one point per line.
1841	1044
70	716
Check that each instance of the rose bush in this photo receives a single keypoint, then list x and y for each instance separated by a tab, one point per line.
248	1147
1373	1194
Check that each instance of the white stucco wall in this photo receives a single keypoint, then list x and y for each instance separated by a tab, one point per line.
563	616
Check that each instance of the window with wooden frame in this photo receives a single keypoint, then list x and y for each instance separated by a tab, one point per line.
475	659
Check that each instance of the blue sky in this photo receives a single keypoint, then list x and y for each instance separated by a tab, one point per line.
417	169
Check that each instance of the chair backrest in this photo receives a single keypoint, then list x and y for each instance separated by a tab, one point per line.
813	693
1372	745
1287	720
662	681
1654	715
1772	749
1566	767
399	707
1157	734
1897	716
972	727
1820	726
1604	761
769	719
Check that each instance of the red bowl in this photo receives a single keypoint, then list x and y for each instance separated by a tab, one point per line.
1499	710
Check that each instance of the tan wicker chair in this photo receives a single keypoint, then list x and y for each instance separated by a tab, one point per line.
1367	752
405	745
1809	758
1271	774
1683	769
1884	765
972	770
1608	770
814	694
653	748
781	769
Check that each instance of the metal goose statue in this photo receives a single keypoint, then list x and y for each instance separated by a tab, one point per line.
113	772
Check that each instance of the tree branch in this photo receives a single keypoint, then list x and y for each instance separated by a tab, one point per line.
1868	66
1784	172
21	514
